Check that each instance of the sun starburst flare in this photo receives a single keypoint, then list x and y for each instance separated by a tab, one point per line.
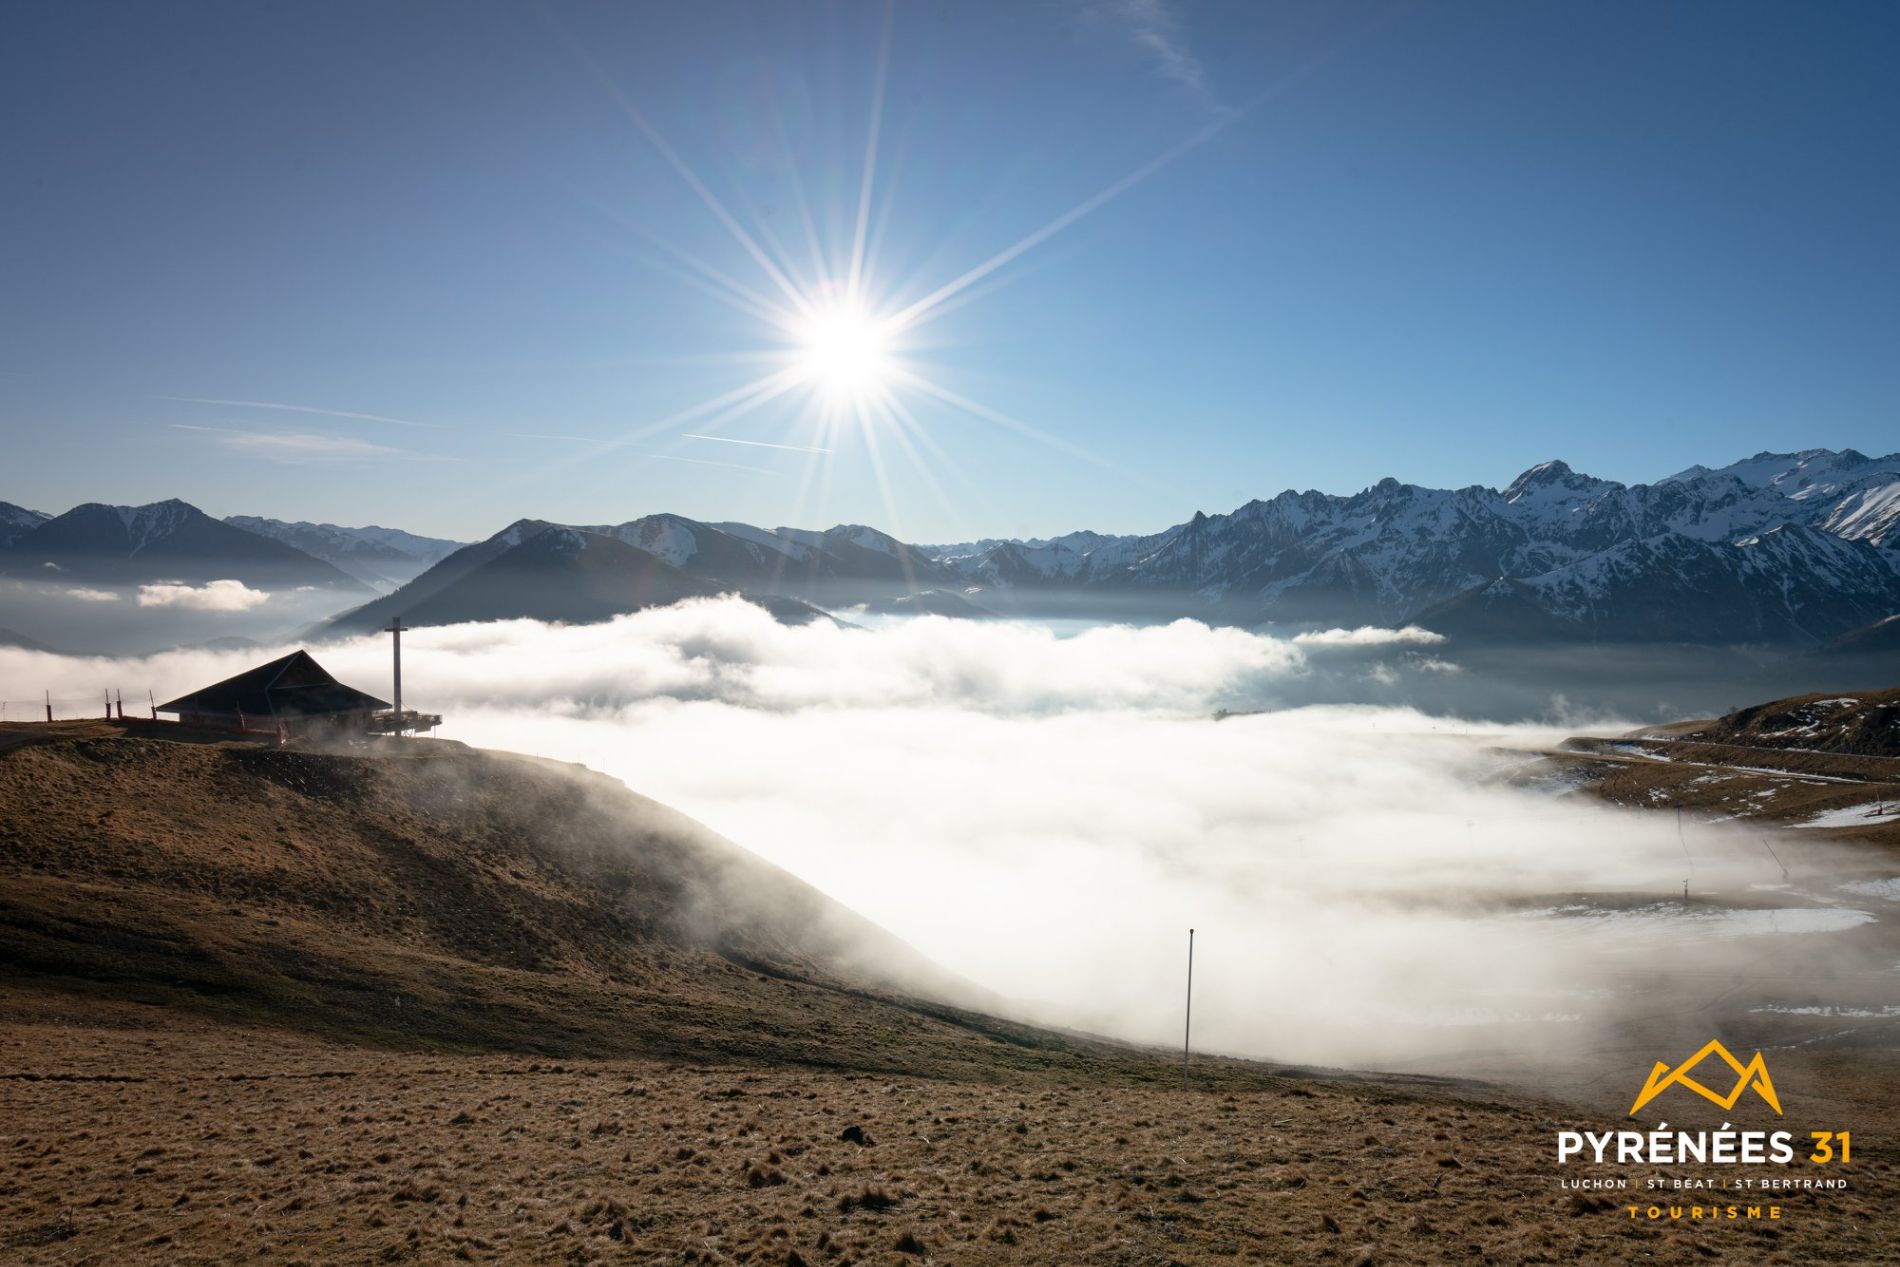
844	351
845	336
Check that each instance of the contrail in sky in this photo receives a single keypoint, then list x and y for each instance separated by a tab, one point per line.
299	409
757	444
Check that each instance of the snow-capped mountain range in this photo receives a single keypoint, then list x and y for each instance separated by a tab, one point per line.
1788	548
1794	549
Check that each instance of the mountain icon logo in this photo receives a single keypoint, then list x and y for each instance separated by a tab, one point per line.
1754	1073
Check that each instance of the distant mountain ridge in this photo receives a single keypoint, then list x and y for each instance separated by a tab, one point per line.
554	572
162	541
1793	548
381	557
1846	493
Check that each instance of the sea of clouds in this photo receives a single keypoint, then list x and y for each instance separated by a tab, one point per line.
1048	815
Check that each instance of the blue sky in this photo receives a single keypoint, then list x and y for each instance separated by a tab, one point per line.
1441	242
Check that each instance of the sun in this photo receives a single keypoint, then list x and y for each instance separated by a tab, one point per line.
844	351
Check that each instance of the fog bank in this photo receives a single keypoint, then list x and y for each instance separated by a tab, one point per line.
1048	815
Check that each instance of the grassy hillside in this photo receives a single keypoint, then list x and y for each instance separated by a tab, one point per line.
440	897
1858	723
1809	759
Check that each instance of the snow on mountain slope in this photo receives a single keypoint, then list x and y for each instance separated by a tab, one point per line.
776	541
867	538
780	558
1846	493
17	521
1791	584
1590	555
1781	548
145	525
667	538
1791	474
1870	513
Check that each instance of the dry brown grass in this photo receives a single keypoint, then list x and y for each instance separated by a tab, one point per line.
154	1138
288	1007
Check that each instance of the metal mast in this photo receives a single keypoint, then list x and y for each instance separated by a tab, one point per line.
395	630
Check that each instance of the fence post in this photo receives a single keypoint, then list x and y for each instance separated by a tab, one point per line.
49	706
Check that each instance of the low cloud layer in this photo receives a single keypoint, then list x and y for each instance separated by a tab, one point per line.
1370	636
212	596
1048	815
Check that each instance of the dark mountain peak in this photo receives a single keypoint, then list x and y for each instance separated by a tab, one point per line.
163	540
559	539
170	506
653	529
665	517
862	535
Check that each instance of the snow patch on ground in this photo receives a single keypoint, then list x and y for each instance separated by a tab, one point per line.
1858	1012
1886	890
1848	816
1674	920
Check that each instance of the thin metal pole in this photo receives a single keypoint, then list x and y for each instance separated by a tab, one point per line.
395	632
1686	856
1187	1025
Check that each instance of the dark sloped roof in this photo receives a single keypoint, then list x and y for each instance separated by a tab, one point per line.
293	686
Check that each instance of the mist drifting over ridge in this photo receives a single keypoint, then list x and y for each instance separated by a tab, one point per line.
1046	815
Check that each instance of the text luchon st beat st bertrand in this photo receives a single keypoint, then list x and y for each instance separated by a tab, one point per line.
1724	1146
